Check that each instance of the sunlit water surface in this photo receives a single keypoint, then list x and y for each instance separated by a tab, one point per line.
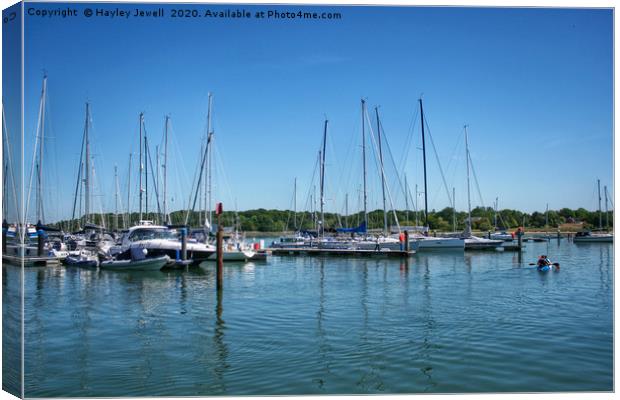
473	322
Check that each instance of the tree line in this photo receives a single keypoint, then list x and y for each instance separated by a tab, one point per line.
445	220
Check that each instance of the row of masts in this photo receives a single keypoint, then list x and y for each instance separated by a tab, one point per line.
85	175
383	180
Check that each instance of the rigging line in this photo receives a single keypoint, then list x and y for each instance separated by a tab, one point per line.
408	142
120	201
155	184
220	163
382	170
475	179
346	172
288	214
96	186
454	157
34	155
13	184
79	177
180	172
389	149
443	177
309	202
202	164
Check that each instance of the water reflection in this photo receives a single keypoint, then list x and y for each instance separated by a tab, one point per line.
429	327
221	350
324	347
445	323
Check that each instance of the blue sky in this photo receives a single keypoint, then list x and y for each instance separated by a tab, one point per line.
535	87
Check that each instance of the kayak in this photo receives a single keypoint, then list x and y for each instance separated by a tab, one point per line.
545	268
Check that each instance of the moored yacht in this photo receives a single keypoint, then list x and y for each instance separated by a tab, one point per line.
593	237
160	240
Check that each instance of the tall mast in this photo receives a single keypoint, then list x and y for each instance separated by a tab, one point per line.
312	209
128	194
202	185
87	166
468	192
157	167
453	210
417	222
314	206
295	204
606	211
346	209
141	166
547	215
495	214
385	227
40	216
116	197
600	213
424	161
165	166
146	177
209	138
323	179
406	200
364	161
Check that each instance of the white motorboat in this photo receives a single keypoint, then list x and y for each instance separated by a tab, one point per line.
419	242
590	237
233	255
83	259
478	243
505	236
294	242
135	259
159	241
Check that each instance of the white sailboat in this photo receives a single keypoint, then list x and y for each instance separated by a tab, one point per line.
600	236
423	242
474	242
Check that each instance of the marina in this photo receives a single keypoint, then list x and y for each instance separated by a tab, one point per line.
318	214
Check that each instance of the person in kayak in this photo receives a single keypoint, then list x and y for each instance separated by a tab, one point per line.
543	260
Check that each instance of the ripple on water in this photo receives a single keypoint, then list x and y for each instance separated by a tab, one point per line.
474	322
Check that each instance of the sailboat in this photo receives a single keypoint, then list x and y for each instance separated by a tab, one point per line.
600	236
500	235
30	244
422	242
158	240
474	242
235	248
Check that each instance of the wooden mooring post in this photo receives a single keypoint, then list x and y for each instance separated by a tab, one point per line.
183	243
220	248
5	229
407	241
40	242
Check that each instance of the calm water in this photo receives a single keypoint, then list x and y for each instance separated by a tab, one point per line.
478	322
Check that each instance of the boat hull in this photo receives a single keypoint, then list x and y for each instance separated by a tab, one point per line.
232	256
437	244
82	263
594	239
147	264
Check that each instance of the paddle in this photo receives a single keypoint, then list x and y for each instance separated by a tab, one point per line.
557	265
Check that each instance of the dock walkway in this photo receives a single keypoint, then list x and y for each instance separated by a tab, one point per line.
339	252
